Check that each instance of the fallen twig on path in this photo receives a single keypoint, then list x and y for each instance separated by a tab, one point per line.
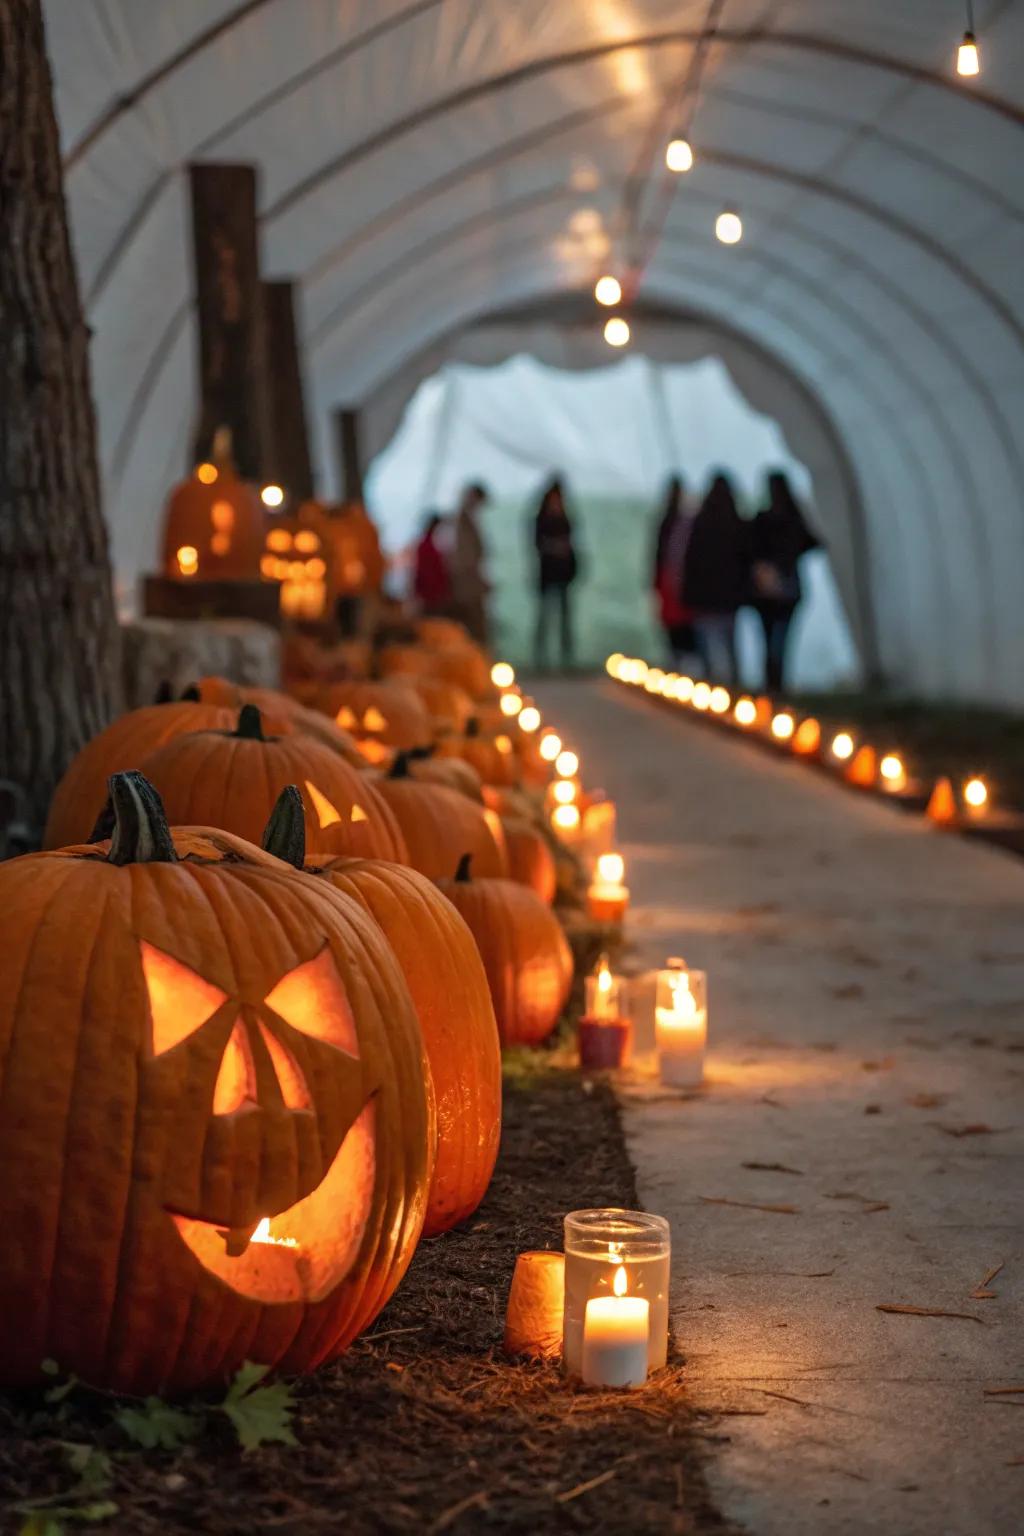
959	1131
750	1205
772	1168
581	1488
967	1317
981	1292
1001	1391
869	1203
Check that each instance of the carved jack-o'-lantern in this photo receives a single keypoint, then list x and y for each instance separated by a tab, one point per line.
224	1138
231	779
213	525
297	555
389	713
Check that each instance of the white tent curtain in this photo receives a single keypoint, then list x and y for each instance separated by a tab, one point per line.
425	163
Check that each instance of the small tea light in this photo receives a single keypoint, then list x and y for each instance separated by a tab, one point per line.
654	679
616	1330
681	1024
536	1304
502	675
783	725
892	773
684	690
613	666
550	746
607	896
745	713
564	792
843	746
604	1029
510	704
567	764
529	719
565	819
598	1245
700	698
975	796
719	701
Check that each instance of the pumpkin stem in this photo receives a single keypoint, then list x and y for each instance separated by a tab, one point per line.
165	693
472	728
139	833
250	723
191	695
420	754
400	766
285	833
462	874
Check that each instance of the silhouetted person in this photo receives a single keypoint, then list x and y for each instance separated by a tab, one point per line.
469	585
716	578
432	582
674	529
556	572
780	537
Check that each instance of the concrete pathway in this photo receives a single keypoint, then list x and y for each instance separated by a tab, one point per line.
867	1020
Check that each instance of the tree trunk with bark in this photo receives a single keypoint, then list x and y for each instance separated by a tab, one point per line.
59	644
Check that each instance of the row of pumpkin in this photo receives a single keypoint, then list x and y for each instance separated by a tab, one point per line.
250	1027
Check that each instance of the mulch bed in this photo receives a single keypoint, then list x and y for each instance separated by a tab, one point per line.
425	1426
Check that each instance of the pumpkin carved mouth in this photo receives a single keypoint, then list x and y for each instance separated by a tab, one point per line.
304	1252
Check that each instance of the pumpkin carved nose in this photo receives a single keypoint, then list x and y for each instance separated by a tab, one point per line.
238	1077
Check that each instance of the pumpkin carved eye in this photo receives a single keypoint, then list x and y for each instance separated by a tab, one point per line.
311	999
180	1000
346	718
373	720
326	813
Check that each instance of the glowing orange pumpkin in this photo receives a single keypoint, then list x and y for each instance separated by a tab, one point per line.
213	527
439	825
224	1135
232	779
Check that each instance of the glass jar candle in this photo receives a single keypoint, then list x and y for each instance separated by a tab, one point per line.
611	1253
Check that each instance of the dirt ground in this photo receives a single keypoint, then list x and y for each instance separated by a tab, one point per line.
424	1426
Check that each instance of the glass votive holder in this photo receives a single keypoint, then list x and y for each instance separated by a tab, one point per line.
610	1255
681	1024
605	1030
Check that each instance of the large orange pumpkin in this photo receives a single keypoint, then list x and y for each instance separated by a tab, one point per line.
82	792
213	527
408	661
390	713
223	1136
525	953
449	705
453	772
442	967
284	709
530	860
440	824
232	778
467	667
493	757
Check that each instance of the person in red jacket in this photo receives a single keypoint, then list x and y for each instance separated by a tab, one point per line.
432	584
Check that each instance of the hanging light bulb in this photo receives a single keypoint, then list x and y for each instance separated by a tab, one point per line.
616	331
608	290
679	156
729	227
968	61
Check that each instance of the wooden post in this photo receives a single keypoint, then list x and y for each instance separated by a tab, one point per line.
346	423
233	359
288	461
59	645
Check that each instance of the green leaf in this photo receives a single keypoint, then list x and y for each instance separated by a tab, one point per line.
260	1415
158	1425
41	1525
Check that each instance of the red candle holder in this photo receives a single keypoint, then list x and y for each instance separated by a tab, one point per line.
604	1043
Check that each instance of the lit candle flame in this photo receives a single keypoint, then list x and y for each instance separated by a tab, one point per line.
263	1234
610	868
976	792
620	1284
604	975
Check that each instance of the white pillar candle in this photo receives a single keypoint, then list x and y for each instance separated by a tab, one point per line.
681	1026
615	1338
